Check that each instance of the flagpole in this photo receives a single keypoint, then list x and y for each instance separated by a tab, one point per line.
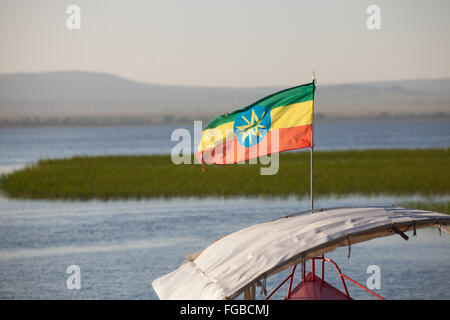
312	152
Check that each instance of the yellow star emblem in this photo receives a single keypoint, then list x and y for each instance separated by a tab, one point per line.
252	127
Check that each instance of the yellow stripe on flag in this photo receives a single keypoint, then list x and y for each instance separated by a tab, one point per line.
224	131
293	115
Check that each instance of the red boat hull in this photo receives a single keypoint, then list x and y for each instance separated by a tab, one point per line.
313	288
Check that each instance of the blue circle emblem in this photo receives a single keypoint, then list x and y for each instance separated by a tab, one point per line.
252	125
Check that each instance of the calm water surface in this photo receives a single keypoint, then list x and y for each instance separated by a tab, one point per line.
121	246
21	146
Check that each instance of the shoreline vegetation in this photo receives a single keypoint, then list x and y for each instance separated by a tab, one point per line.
187	119
368	172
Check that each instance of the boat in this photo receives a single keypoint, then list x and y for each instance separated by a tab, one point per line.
235	264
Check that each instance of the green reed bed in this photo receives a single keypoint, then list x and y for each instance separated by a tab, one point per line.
442	207
367	172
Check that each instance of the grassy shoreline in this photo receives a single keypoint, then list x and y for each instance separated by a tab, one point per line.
442	207
368	172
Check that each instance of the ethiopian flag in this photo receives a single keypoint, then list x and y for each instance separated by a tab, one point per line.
279	122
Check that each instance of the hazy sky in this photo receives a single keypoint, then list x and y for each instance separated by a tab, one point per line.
228	42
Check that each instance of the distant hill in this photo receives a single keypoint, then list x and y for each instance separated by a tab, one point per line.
71	96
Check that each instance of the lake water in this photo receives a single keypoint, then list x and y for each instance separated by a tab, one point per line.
121	246
19	146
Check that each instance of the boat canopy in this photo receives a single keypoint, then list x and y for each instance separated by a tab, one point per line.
241	259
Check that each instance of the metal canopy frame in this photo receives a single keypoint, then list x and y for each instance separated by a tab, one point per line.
321	279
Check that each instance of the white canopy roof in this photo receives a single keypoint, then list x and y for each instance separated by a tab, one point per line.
240	259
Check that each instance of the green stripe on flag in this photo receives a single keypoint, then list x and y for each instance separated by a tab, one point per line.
282	98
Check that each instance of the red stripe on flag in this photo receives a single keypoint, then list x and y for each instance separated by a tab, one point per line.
233	152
